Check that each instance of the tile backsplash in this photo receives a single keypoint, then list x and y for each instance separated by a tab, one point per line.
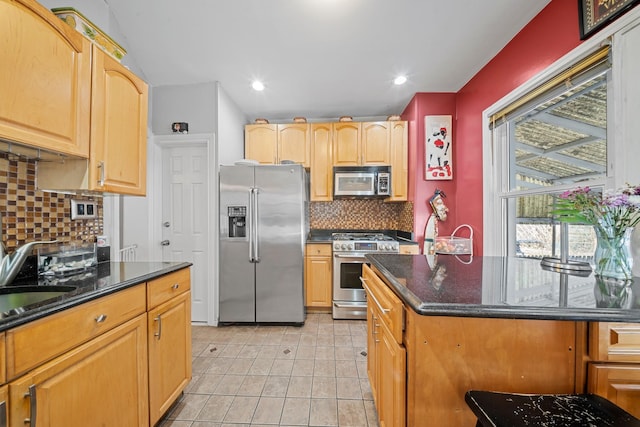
361	214
30	214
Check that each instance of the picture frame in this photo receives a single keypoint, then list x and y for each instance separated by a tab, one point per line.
596	14
438	146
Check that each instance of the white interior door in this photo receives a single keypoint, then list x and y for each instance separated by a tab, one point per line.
185	218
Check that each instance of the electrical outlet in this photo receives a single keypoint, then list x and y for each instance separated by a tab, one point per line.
82	209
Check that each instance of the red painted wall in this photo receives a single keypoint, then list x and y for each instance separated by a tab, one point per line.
550	35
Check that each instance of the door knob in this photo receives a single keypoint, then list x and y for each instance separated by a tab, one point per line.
165	243
166	224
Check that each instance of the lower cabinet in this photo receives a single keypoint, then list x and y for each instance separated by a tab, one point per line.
317	276
169	337
614	367
100	383
386	355
4	405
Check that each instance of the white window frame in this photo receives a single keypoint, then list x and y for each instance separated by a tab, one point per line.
496	159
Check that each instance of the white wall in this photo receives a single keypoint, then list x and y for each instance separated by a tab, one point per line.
195	104
231	123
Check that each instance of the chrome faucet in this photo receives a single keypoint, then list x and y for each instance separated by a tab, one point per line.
10	264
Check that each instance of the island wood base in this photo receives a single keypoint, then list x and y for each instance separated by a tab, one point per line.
447	356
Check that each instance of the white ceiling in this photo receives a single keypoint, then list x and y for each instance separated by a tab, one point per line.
320	59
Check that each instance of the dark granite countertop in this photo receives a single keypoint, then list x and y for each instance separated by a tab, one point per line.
106	278
446	285
317	235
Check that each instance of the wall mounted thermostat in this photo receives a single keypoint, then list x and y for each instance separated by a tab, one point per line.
82	209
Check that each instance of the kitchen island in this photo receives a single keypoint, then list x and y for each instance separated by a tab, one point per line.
112	347
450	324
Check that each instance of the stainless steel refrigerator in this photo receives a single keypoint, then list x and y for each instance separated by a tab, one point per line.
263	227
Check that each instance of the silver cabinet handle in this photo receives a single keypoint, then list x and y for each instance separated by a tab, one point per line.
373	297
165	243
101	174
159	333
33	407
175	286
101	318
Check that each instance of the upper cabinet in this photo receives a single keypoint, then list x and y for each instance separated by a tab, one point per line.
46	81
119	106
117	162
321	170
361	144
399	152
271	144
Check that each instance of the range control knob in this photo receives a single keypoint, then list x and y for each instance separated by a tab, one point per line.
350	246
336	246
343	246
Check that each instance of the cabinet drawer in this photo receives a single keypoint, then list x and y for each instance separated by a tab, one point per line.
388	305
612	341
318	249
30	345
168	286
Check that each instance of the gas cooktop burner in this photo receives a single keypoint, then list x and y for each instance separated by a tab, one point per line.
362	237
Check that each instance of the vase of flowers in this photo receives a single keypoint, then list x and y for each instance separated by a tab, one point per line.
613	215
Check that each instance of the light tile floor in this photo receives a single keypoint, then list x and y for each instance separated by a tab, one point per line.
258	375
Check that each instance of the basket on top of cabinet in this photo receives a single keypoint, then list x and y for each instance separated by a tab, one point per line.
455	245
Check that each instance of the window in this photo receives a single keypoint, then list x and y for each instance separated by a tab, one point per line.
551	139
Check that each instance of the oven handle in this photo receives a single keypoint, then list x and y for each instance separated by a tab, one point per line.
349	256
364	285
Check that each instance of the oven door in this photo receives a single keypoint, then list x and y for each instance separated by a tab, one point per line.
347	270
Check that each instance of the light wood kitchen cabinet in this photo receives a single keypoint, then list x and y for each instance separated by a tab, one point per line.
261	143
386	364
399	152
46	90
614	367
117	161
102	382
321	169
169	340
30	345
361	143
318	276
271	144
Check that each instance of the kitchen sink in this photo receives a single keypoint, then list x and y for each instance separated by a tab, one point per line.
13	298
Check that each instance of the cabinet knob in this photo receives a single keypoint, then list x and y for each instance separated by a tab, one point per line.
175	286
101	318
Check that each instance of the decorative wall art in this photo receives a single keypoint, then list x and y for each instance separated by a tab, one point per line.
595	14
437	150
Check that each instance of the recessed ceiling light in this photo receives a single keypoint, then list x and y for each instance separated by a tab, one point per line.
257	85
400	80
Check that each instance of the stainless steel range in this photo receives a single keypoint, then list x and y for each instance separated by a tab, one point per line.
349	250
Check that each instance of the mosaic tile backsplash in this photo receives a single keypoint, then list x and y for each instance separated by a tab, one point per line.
361	214
30	214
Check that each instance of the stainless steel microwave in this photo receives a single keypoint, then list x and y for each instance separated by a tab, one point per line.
361	181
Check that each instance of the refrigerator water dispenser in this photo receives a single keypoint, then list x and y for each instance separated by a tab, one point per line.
237	221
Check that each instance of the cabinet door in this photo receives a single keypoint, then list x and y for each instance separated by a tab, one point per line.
45	81
293	143
375	143
372	349
318	281
620	383
4	405
346	144
101	383
261	143
321	170
118	128
391	375
399	151
169	338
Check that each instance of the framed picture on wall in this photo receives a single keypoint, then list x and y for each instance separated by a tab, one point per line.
437	148
595	14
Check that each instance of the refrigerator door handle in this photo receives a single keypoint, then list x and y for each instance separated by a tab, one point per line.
250	225
256	232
